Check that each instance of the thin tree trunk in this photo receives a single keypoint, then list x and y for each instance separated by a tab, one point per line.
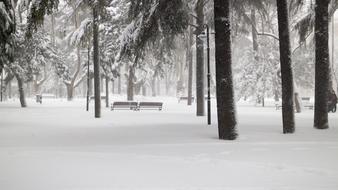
21	91
200	77
322	64
286	67
153	87
254	35
107	92
158	86
113	86
10	89
190	61
119	82
53	29
96	64
226	111
130	89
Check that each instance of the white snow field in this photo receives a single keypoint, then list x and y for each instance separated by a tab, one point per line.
60	146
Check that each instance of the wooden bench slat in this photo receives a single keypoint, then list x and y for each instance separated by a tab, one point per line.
125	105
150	105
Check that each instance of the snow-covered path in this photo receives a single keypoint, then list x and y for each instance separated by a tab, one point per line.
59	146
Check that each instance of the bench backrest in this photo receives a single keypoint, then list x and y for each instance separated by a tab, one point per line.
306	99
155	104
125	103
185	98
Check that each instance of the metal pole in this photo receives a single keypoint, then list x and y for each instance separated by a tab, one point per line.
88	78
209	76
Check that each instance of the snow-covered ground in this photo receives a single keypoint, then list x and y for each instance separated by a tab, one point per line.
60	146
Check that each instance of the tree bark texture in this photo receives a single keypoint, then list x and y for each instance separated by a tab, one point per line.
96	64
322	65
190	65
130	88
200	77
286	67
226	112
107	92
21	91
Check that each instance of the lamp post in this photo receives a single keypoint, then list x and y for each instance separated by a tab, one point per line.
207	35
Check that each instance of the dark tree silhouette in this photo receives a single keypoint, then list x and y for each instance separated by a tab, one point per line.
200	77
225	92
96	63
286	68
322	65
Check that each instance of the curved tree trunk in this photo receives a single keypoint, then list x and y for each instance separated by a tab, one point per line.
21	91
286	67
322	64
226	112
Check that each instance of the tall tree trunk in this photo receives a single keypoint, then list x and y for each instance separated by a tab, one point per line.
200	78
144	90
254	35
53	29
130	88
153	87
21	91
322	64
158	86
96	64
119	90
70	92
167	82
226	111
71	86
190	61
10	89
107	92
113	86
286	67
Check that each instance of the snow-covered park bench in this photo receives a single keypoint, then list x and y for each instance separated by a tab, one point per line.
124	105
307	103
150	105
185	98
39	97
